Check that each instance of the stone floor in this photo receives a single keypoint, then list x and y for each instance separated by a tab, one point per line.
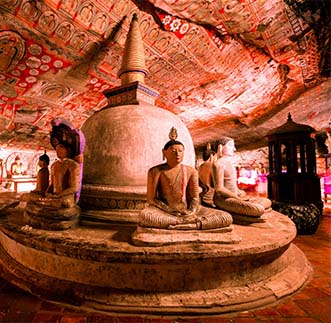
310	305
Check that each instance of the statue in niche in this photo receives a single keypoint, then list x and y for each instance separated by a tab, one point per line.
12	49
65	30
57	207
173	195
228	196
48	21
17	167
30	9
69	5
100	23
79	40
86	13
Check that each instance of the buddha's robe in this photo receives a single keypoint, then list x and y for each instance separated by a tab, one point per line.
57	209
228	197
65	176
42	181
206	184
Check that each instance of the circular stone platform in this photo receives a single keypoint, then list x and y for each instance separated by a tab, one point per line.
101	270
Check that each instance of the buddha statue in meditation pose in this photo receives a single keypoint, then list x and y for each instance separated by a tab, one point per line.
56	207
65	174
173	195
206	182
43	175
17	167
228	196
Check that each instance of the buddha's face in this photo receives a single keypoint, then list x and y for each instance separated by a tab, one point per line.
174	154
41	163
229	148
61	151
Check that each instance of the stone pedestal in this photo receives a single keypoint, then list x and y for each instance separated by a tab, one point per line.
161	237
111	204
102	270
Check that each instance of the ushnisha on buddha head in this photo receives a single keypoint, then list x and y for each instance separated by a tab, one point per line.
173	150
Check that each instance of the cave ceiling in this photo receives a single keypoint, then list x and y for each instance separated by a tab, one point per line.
230	67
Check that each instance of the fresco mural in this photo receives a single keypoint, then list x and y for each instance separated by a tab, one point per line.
231	67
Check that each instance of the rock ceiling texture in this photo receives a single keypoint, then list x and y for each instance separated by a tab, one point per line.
225	67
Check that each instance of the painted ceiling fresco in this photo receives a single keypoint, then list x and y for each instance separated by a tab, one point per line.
225	67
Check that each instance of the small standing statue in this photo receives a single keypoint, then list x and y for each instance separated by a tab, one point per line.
57	209
173	195
227	196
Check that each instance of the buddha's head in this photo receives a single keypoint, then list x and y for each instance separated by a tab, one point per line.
62	151
208	153
43	160
173	150
225	147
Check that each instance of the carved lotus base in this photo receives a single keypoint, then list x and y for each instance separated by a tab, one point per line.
45	218
98	269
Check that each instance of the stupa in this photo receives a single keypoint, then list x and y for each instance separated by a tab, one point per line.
124	140
98	268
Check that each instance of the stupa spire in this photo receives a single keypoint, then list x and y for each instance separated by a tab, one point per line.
133	89
133	66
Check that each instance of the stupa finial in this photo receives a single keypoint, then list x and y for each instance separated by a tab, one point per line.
133	66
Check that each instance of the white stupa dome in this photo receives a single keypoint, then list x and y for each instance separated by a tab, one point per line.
123	142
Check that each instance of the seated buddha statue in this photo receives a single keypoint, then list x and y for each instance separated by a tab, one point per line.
228	196
173	195
17	167
205	172
42	175
65	174
57	208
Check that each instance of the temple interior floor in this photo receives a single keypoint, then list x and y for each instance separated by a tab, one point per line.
312	304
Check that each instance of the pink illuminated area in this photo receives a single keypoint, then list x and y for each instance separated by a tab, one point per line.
22	184
19	168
